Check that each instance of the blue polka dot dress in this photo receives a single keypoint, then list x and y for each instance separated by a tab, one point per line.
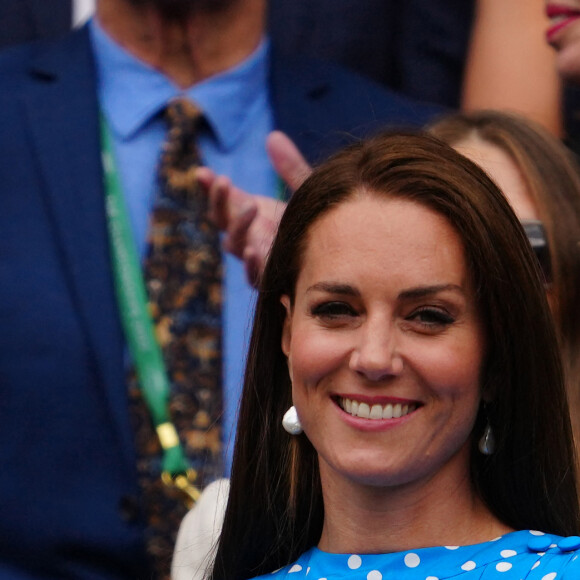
519	555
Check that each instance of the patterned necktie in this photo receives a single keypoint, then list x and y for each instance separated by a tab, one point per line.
183	274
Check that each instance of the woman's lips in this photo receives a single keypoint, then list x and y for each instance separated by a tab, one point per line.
561	17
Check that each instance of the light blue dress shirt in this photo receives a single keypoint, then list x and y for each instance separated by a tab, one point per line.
236	105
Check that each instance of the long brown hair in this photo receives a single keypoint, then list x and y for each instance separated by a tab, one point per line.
552	178
275	510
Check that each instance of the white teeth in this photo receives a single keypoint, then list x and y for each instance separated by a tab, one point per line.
376	412
365	411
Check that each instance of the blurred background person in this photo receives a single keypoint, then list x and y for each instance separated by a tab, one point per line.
508	65
563	34
540	178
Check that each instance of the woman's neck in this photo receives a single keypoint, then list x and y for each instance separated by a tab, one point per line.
443	511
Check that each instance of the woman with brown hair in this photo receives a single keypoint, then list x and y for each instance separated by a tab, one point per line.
540	179
388	343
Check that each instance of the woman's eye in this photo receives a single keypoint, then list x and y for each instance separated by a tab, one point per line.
333	310
432	317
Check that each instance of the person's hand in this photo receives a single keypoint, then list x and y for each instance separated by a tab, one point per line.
249	221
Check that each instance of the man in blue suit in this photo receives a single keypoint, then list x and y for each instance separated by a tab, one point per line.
69	497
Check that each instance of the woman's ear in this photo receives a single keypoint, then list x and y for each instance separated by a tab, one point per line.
286	330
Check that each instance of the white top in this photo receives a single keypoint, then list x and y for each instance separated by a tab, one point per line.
199	532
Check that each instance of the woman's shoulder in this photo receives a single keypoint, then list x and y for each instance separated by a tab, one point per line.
555	557
523	554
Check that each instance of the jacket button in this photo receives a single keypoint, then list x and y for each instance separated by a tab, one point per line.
129	509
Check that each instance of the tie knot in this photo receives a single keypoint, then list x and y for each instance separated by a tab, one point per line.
179	150
183	114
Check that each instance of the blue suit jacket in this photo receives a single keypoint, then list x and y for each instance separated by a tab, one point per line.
67	479
416	47
26	20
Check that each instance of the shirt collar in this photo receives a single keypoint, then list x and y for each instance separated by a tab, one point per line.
131	93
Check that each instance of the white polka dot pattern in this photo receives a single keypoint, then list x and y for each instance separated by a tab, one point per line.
412	560
503	566
512	557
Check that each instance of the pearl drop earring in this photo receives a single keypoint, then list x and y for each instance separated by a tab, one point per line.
487	441
291	422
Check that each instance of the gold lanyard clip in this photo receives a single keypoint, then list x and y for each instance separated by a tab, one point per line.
183	482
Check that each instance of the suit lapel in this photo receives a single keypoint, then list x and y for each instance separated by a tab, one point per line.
62	109
324	107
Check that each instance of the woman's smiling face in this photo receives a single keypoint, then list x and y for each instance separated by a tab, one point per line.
384	342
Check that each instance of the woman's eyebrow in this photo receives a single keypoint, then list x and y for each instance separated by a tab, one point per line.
334	288
422	291
412	293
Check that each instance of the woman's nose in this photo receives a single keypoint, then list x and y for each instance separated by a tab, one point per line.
375	355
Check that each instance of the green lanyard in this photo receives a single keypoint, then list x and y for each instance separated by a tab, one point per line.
138	326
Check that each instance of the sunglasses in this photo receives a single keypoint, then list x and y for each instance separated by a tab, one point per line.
537	237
